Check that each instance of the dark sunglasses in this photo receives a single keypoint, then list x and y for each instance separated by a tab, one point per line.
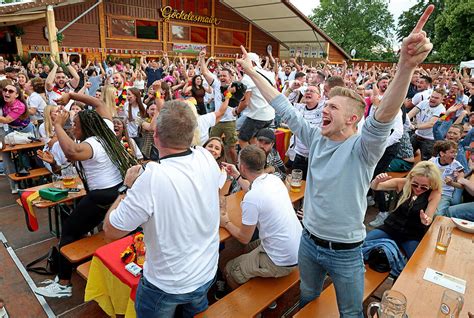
10	91
421	187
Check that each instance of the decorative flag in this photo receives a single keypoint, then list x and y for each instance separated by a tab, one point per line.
26	198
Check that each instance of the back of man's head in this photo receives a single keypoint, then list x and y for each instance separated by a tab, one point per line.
253	158
335	81
175	125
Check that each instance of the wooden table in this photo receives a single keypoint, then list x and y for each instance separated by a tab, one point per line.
235	212
13	148
52	206
424	297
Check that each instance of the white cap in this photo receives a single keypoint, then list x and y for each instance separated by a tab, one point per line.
254	58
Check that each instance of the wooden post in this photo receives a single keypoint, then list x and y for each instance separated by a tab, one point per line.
19	46
213	28
102	33
250	36
52	36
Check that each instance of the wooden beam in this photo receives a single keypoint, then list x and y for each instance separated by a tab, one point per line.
19	46
250	36
52	36
8	18
102	33
213	28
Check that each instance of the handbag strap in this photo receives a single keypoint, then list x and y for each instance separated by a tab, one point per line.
39	269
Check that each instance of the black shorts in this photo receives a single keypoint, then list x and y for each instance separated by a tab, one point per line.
250	127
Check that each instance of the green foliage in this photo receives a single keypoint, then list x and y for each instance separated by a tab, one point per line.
409	18
454	36
363	25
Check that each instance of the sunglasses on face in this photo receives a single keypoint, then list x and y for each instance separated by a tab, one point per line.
9	91
420	186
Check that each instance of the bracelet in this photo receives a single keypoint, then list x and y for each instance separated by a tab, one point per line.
227	94
237	179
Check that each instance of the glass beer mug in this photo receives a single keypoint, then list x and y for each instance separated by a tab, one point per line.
393	305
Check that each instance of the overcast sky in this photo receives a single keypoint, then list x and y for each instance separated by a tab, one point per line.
396	7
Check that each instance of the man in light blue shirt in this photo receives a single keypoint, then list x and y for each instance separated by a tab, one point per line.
340	166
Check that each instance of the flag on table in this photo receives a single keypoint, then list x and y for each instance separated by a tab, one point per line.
26	198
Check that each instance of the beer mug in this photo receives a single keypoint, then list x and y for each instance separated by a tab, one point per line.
451	304
69	176
393	305
295	181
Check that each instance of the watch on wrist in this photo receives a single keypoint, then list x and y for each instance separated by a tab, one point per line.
122	189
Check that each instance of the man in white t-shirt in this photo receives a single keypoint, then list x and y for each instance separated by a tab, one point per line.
423	94
266	206
180	220
57	81
426	114
260	114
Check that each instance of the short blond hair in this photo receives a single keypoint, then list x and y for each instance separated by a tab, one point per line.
358	101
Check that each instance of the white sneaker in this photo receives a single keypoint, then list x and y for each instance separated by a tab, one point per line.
370	201
49	281
55	290
15	189
379	219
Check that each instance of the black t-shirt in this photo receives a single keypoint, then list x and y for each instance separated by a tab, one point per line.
153	74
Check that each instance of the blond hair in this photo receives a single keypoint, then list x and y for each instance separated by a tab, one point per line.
109	93
197	131
358	102
422	169
48	122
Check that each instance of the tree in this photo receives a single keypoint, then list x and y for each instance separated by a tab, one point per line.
364	25
454	39
409	18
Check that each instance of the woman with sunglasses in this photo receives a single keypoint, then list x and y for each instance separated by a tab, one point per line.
420	193
15	114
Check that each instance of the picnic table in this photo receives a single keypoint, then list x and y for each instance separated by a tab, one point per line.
53	206
424	297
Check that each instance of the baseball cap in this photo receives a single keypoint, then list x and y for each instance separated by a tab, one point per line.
266	133
254	58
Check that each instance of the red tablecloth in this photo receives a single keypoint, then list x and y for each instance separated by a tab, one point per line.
110	256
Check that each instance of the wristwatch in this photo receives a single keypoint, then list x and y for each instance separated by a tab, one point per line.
123	189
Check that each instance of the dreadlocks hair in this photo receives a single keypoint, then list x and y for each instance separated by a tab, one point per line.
93	125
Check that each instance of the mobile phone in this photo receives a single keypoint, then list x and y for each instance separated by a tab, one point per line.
74	190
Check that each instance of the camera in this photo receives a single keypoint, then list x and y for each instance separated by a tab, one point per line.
240	90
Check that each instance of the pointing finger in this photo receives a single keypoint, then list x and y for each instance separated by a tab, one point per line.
423	19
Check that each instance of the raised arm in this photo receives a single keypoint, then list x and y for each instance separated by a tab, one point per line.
98	104
49	83
415	48
75	77
203	66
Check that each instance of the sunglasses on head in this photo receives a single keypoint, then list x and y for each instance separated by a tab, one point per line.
420	186
10	91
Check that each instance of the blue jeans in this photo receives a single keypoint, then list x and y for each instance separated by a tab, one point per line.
463	211
346	269
151	301
444	204
409	246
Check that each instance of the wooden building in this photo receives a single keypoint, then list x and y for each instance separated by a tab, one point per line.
126	28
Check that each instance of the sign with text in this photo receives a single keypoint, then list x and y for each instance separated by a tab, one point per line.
168	13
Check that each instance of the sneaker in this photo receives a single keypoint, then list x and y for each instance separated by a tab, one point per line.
370	201
220	291
379	219
49	281
273	305
15	189
55	290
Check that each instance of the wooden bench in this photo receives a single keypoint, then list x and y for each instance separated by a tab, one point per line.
252	298
34	173
326	304
84	248
83	269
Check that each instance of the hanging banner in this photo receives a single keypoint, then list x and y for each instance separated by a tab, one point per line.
188	48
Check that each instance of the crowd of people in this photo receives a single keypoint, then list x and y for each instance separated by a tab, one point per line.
198	123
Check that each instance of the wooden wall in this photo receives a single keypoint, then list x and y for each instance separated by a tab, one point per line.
335	56
260	40
84	33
